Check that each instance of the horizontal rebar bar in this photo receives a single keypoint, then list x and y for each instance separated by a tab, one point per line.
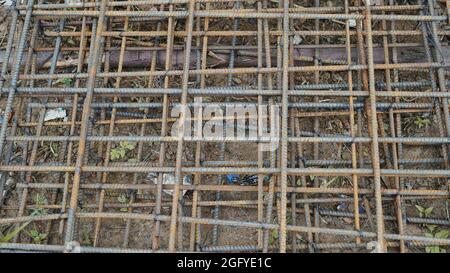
88	91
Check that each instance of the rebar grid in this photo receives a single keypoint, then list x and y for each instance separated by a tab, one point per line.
363	142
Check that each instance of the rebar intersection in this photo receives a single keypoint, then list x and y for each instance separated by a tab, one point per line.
361	90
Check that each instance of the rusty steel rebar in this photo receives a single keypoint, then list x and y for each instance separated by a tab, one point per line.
363	140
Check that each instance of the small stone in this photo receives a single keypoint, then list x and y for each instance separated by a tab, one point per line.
297	39
352	23
9	184
237	81
347	220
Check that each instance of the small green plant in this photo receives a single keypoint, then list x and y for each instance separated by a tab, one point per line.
86	239
443	234
431	228
40	201
54	148
300	238
424	212
66	81
71	42
37	237
421	122
274	236
120	152
123	200
10	235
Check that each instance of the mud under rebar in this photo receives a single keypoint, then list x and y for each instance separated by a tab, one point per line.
357	158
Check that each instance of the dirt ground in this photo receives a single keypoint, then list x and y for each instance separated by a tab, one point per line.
112	231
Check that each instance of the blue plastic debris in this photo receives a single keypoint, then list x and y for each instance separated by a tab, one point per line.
341	206
245	179
361	209
249	180
232	178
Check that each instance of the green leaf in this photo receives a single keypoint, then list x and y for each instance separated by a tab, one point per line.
428	211
114	154
40	200
34	233
435	249
122	198
420	208
443	234
117	153
421	122
71	42
431	228
37	236
122	153
67	81
273	237
429	235
275	234
127	145
123	209
8	237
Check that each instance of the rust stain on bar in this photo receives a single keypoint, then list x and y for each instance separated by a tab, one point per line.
336	120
